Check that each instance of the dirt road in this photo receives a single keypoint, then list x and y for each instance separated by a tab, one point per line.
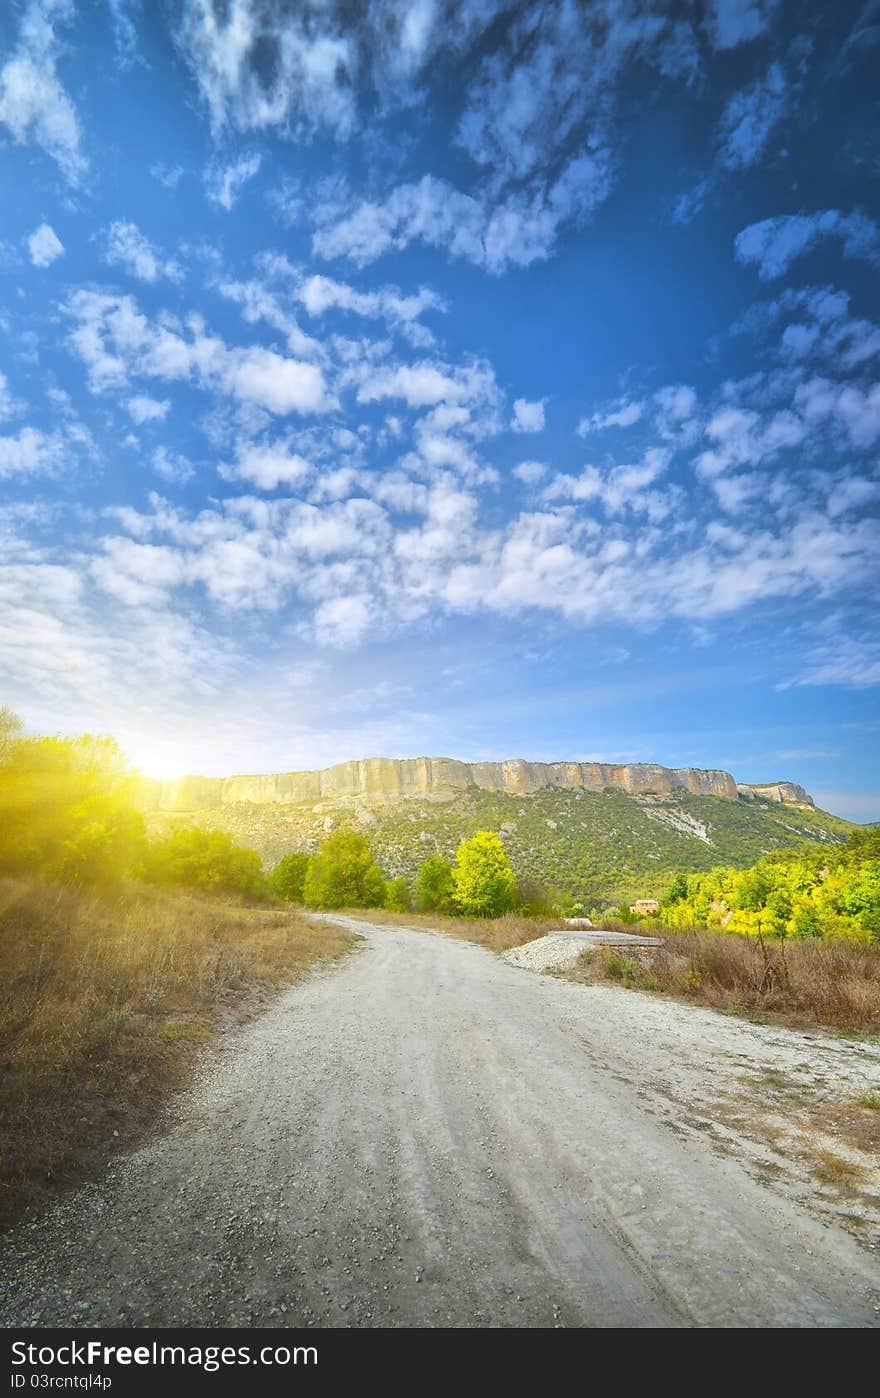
426	1135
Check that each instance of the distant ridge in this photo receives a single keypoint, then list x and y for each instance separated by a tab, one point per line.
381	780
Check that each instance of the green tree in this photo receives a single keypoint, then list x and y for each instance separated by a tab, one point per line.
67	807
343	875
287	879
676	892
435	886
206	860
483	879
397	896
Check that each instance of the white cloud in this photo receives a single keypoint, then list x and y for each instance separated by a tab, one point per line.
33	103
775	243
224	183
142	408
528	416
9	404
273	381
342	621
300	68
127	247
44	246
734	22
319	294
751	117
31	452
172	466
116	342
516	231
530	472
268	465
624	413
427	384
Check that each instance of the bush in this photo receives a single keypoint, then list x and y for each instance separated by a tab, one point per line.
531	898
483	879
435	887
397	896
343	875
205	860
287	880
828	893
68	807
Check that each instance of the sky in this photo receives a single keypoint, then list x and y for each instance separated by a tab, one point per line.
464	379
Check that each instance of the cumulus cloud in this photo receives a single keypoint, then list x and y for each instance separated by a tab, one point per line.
775	243
127	247
33	103
528	416
268	465
142	408
44	246
117	342
31	451
530	472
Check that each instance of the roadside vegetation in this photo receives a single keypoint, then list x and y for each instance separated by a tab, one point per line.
119	957
833	983
826	893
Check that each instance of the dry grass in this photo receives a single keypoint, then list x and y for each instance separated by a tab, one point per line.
103	1001
498	934
835	984
833	1170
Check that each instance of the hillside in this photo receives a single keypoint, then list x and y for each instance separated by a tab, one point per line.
598	845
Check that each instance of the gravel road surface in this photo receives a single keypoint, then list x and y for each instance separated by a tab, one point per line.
428	1135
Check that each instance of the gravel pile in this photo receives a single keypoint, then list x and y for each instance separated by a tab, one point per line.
548	953
560	950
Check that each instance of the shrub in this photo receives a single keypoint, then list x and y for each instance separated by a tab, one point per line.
287	879
343	875
206	860
397	896
435	887
483	879
531	898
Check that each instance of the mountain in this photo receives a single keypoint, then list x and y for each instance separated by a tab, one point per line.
603	832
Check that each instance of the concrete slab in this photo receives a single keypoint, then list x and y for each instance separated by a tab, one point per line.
599	938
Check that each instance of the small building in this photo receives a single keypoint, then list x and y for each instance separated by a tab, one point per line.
644	907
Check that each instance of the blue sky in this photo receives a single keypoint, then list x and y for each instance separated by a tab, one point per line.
469	378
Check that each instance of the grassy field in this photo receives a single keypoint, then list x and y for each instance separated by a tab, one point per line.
104	1002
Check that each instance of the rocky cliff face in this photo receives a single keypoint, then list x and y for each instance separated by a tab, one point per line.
788	792
382	779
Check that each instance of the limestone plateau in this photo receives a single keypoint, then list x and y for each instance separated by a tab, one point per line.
383	780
